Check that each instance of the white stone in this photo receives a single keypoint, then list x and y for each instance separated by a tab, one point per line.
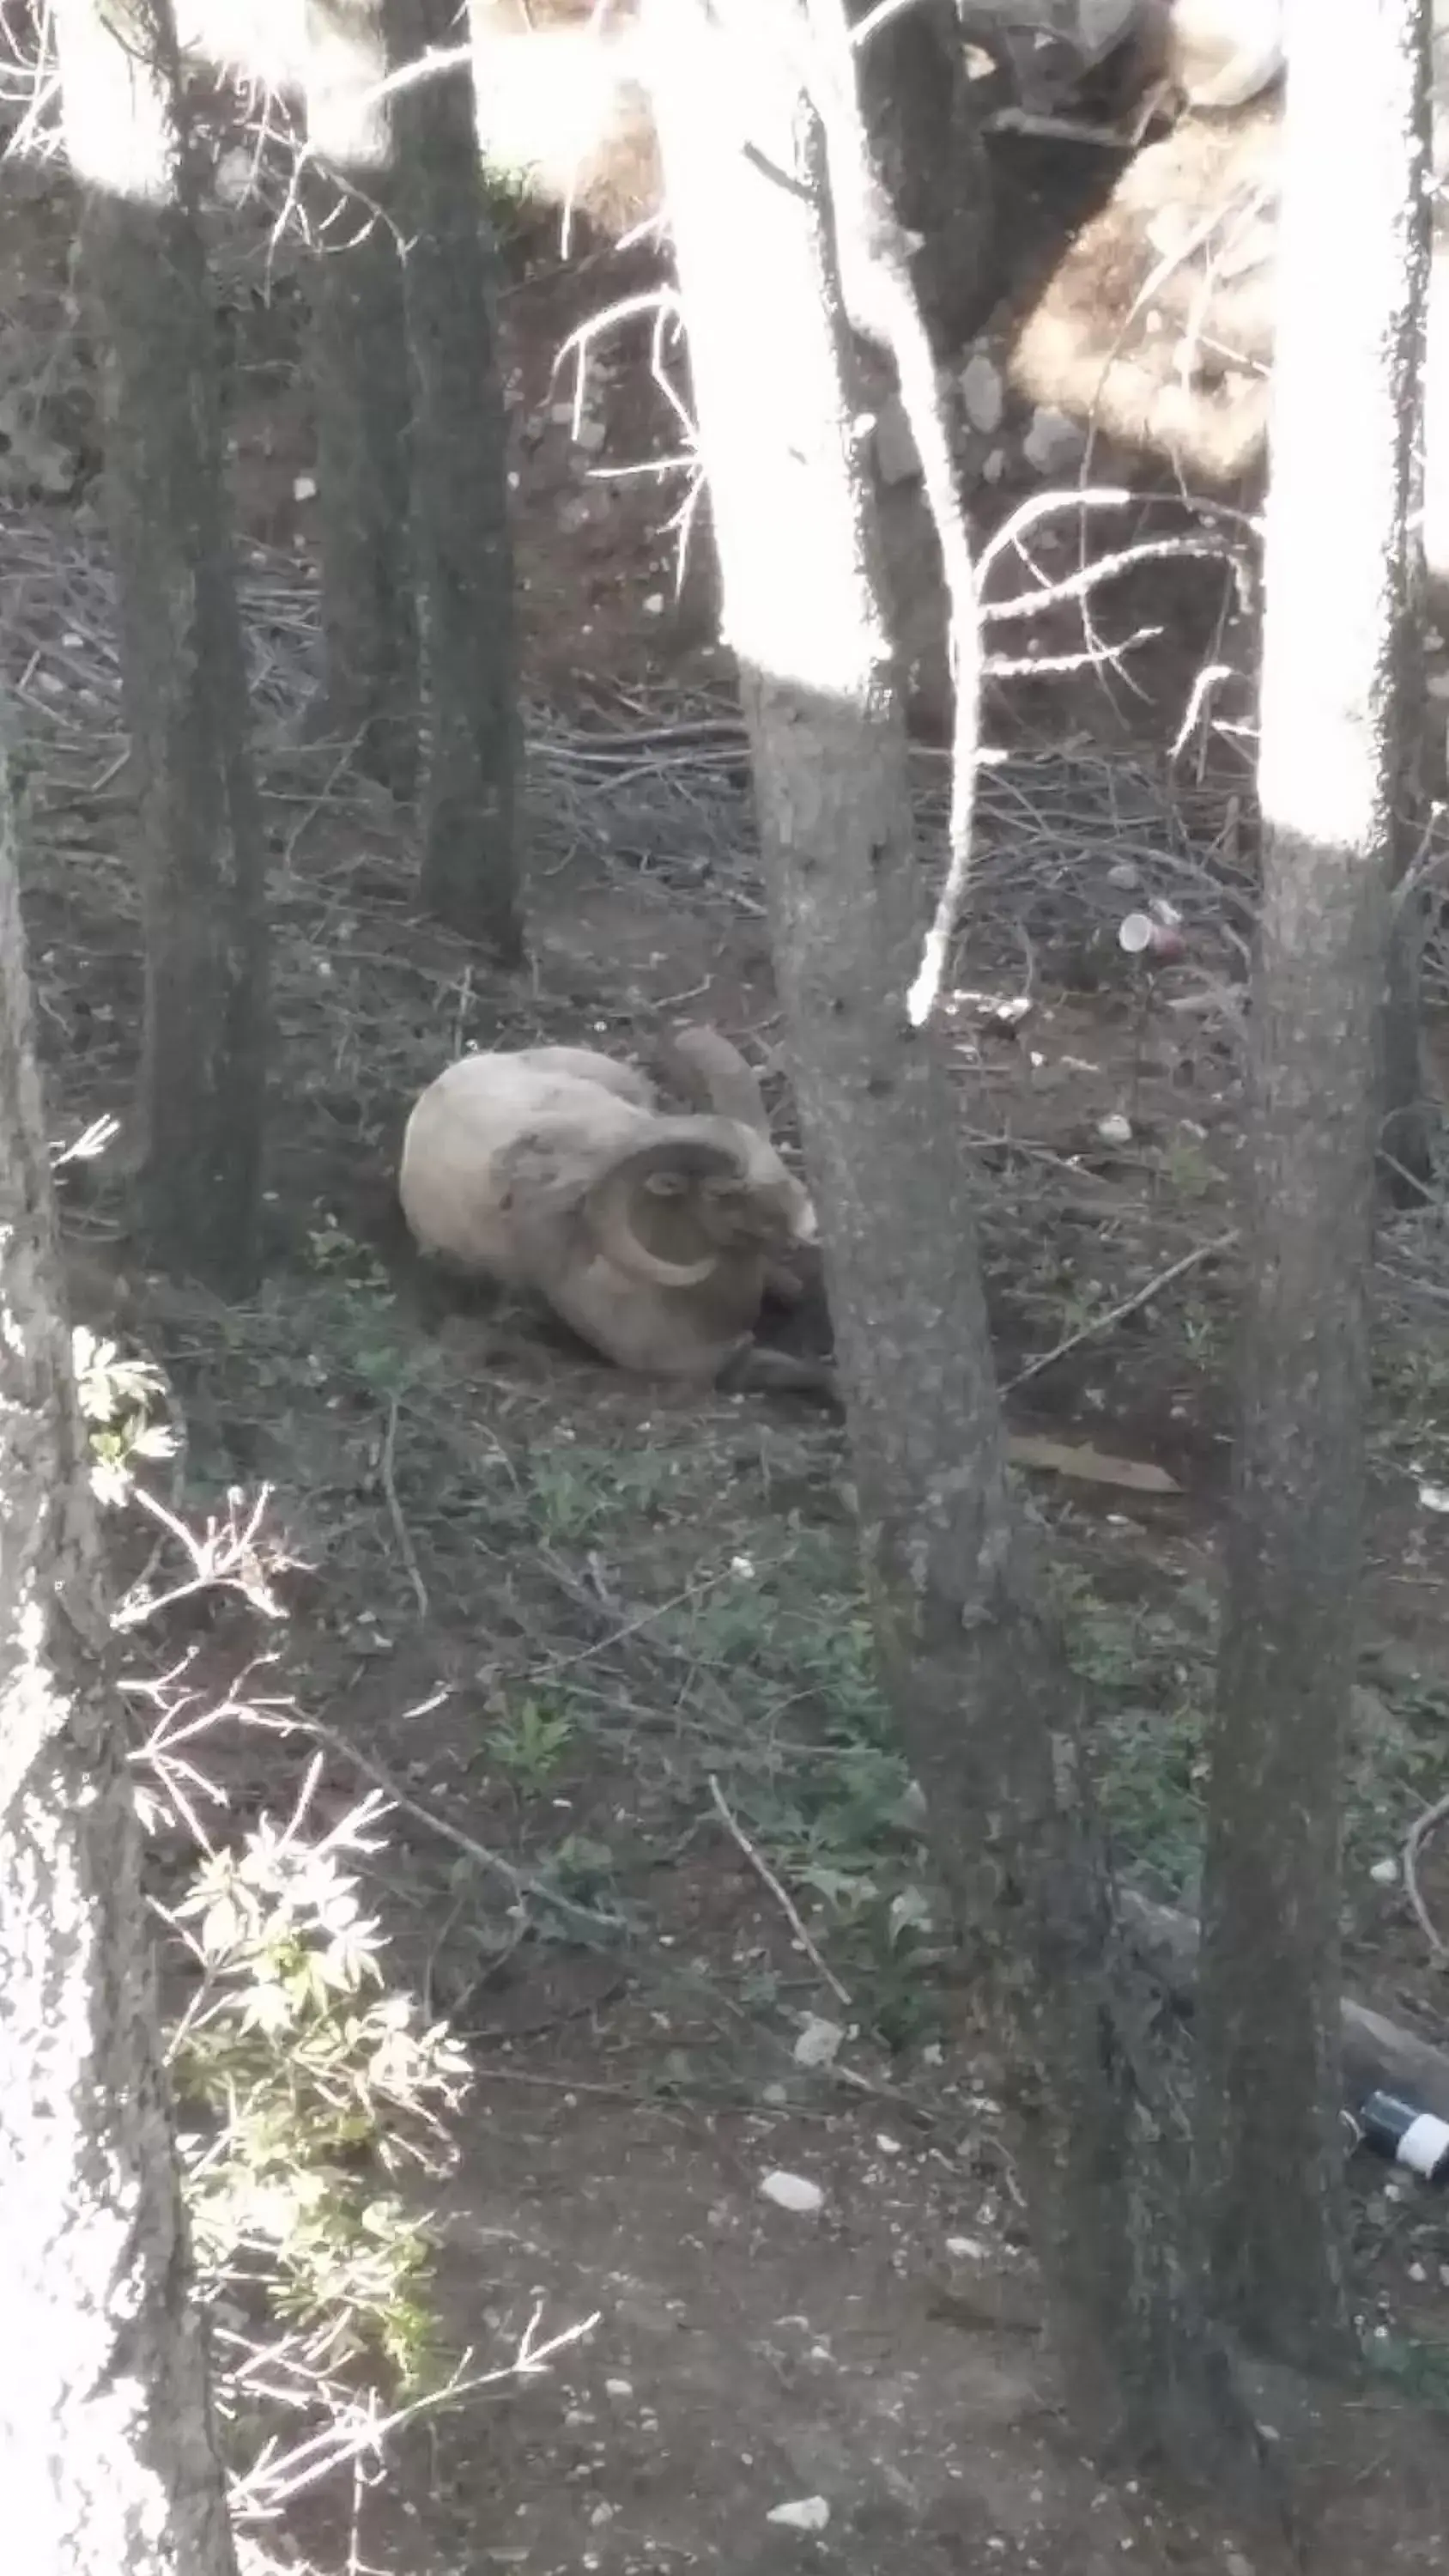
818	2041
982	397
807	2513
794	2192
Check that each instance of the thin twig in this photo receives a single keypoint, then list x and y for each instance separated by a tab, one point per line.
1101	1324
781	1895
1419	1833
523	1882
406	1550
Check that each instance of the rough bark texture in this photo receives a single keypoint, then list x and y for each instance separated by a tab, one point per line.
107	2461
1270	2147
982	1696
202	851
359	371
471	801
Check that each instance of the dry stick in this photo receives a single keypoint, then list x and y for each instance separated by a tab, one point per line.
406	1549
780	1894
1374	2052
1427	1824
523	1882
1129	1306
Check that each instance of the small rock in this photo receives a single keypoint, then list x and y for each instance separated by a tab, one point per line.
896	460
982	397
1385	1873
561	415
1053	442
304	487
590	436
818	2042
807	2513
618	2388
1114	1129
653	606
794	2192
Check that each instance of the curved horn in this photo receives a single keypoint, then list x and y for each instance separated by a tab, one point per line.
690	1148
713	1072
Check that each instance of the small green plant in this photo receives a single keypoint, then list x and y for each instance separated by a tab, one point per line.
531	1742
355	1327
574	1492
118	1398
336	1254
304	2086
1415	2366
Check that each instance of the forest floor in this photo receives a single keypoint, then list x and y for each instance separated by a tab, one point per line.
617	1639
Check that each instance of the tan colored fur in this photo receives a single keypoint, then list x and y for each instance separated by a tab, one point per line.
1156	325
502	1166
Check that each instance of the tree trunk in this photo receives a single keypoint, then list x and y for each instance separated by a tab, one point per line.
107	2460
471	802
203	860
982	1697
1270	2145
360	391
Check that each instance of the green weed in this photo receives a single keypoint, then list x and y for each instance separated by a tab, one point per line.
531	1743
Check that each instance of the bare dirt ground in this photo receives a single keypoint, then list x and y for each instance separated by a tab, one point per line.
589	1630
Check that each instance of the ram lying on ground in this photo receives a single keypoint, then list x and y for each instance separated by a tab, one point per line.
654	1237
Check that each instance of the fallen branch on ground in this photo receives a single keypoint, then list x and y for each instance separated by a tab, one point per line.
1375	2054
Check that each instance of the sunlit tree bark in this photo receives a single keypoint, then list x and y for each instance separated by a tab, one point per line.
107	2460
983	1700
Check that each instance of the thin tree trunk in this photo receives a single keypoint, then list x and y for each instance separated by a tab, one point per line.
108	2464
360	391
472	822
202	858
983	1700
1269	2138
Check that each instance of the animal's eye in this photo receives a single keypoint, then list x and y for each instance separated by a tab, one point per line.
665	1185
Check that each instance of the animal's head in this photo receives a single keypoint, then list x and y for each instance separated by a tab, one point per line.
694	1193
697	1191
714	1074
